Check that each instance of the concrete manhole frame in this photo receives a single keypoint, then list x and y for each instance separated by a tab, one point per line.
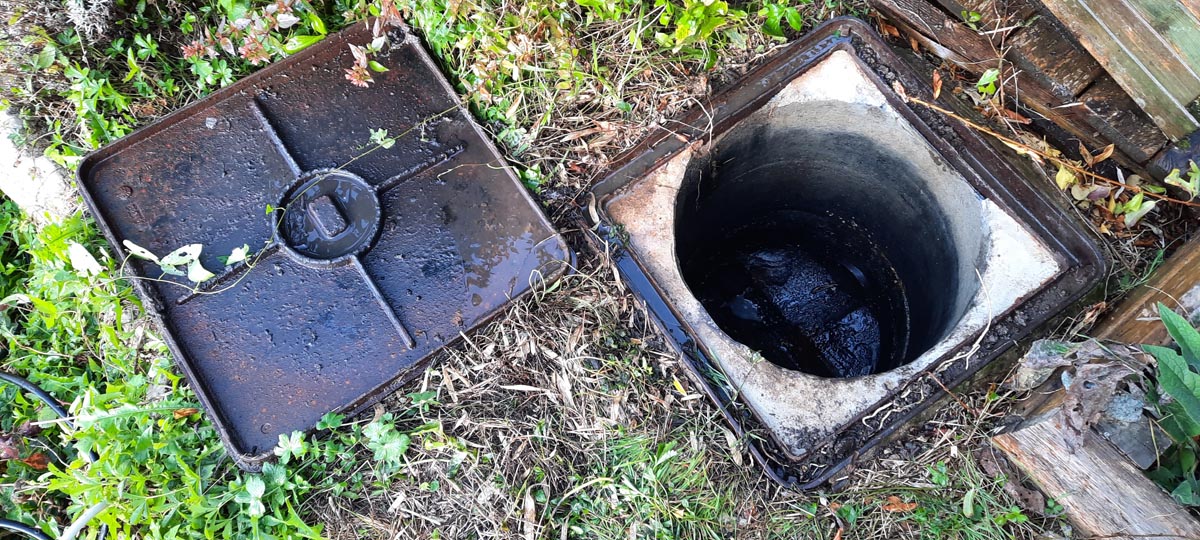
1076	266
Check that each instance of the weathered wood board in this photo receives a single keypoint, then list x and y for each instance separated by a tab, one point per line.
1122	121
1062	62
1103	494
1151	48
1049	70
1176	283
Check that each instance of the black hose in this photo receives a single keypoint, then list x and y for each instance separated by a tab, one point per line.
36	391
88	456
22	528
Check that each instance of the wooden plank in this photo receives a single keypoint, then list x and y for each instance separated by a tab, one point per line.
933	23
974	53
1124	122
1176	283
1147	68
1065	64
1177	26
1137	37
1004	11
998	18
952	7
1192	6
1102	494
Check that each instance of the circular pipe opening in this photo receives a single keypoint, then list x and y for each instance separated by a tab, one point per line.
834	248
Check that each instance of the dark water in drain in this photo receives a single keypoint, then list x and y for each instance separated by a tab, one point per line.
810	293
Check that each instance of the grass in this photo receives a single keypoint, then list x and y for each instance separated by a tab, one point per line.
564	418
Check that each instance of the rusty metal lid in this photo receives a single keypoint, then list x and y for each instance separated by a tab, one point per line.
365	260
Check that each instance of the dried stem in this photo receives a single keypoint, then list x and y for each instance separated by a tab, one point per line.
1053	159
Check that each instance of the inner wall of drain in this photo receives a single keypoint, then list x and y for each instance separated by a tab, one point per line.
823	246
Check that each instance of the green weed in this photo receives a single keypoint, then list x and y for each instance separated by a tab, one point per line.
1178	402
647	489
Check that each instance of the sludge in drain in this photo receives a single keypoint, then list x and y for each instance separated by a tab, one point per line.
784	288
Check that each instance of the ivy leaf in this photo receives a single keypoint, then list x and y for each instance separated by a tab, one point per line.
139	251
987	82
315	22
1136	209
1176	422
330	421
290	446
1177	380
388	444
183	255
1186	492
1191	186
197	273
238	255
391	449
794	19
45	58
380	137
255	488
82	260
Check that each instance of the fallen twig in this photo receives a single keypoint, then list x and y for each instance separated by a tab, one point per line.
1017	145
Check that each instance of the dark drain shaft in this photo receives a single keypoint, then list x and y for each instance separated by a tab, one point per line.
824	249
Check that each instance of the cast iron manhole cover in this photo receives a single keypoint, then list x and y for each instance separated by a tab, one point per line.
365	259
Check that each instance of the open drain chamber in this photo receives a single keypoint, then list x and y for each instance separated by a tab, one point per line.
824	251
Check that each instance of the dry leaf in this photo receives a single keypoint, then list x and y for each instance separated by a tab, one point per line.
894	505
1087	156
8	448
1065	178
37	460
1025	151
1088	395
185	412
888	30
582	133
899	88
1015	116
912	42
530	525
937	84
1091	159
